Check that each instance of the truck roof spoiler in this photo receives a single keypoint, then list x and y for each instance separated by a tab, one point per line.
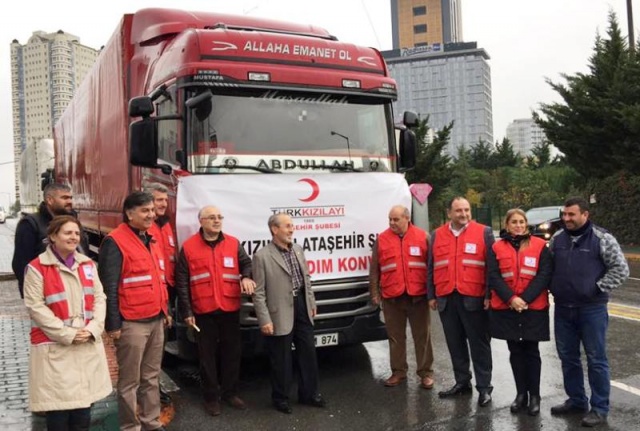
224	26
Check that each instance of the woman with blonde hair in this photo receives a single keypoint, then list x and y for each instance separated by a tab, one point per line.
519	277
68	368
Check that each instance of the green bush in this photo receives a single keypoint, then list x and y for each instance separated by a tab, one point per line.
617	206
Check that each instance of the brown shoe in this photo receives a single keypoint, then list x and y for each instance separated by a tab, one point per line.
236	402
427	382
212	407
394	380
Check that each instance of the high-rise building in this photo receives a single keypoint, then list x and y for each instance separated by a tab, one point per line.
524	134
44	75
452	84
425	22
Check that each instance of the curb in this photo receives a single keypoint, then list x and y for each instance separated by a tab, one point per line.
632	257
7	276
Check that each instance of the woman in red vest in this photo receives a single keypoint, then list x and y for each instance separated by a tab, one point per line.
519	276
68	368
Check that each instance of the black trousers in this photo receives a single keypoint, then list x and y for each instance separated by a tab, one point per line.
281	357
220	353
526	365
69	420
462	326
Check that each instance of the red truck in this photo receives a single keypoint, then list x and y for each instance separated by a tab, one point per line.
255	116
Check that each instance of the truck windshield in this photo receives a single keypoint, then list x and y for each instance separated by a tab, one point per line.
289	131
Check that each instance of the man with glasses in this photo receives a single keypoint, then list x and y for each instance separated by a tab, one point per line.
213	270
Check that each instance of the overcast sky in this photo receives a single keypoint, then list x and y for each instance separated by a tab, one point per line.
526	40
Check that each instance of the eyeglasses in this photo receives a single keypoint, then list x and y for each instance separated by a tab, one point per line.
213	217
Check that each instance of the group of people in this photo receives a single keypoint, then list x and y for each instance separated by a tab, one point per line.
72	301
482	288
485	288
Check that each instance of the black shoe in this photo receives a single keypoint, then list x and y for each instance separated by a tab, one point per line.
593	419
160	429
519	403
316	401
165	398
534	405
566	408
282	406
457	389
484	398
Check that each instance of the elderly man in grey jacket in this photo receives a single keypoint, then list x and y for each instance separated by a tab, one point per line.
285	307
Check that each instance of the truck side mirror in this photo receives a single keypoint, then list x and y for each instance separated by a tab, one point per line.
47	177
407	149
410	119
143	143
141	107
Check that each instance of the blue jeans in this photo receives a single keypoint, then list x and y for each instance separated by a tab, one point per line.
586	324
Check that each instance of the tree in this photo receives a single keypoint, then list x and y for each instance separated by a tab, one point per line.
504	155
433	165
482	155
15	208
597	124
540	156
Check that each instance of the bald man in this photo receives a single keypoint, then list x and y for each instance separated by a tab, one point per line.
398	280
213	271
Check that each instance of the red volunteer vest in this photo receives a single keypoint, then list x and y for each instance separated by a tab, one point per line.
214	274
403	263
167	243
142	292
55	296
459	262
518	268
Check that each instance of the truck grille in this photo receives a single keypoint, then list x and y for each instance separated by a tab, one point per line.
335	299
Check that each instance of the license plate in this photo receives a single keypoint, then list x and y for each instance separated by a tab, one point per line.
323	340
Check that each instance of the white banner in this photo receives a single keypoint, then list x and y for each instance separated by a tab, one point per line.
336	216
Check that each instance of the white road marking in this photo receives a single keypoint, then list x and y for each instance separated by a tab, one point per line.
634	278
625	387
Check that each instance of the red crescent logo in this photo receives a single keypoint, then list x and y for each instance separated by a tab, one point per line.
315	190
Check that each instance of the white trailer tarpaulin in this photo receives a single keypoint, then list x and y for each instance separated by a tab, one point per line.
336	216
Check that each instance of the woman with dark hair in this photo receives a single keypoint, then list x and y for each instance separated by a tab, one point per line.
519	277
68	368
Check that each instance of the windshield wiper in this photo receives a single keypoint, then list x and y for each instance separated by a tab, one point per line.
343	168
232	166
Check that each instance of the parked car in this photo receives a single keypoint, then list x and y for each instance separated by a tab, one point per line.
544	221
3	215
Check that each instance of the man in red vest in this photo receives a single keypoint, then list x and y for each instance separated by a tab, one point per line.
131	268
213	270
457	286
398	279
162	232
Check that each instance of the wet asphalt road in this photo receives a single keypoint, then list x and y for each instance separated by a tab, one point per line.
351	382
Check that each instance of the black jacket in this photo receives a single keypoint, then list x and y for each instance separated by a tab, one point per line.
31	240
